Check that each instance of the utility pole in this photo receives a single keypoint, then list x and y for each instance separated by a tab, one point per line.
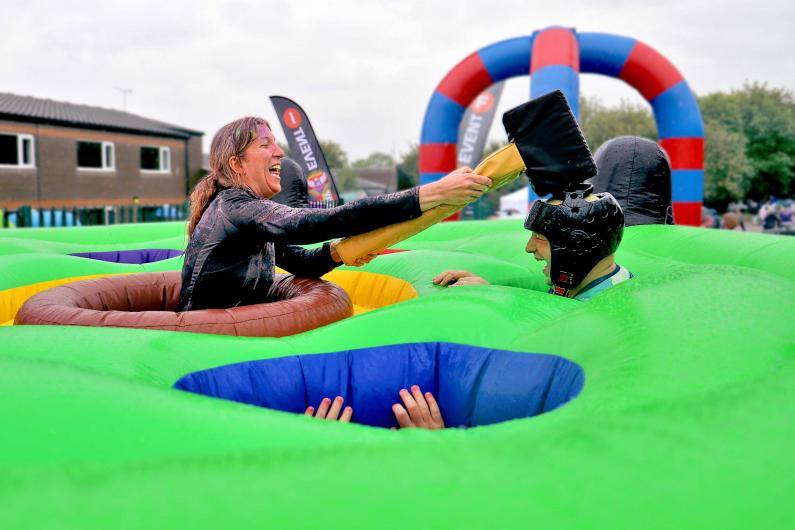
124	92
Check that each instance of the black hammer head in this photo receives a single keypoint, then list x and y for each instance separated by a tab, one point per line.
551	144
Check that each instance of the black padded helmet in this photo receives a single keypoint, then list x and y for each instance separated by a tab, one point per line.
582	230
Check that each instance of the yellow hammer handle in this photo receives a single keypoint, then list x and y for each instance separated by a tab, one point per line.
501	167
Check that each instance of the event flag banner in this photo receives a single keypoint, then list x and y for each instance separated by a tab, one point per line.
306	150
475	126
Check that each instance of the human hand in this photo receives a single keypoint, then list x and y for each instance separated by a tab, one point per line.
333	413
363	260
421	411
335	255
458	278
458	188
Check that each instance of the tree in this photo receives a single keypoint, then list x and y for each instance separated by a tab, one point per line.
765	117
337	160
381	160
727	170
408	169
600	123
346	178
336	157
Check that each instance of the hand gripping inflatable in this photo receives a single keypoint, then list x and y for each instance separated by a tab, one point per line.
545	140
148	300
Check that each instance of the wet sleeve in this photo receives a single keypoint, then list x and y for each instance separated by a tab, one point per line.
309	263
300	226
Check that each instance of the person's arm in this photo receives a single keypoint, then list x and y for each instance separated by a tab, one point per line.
282	224
305	262
312	263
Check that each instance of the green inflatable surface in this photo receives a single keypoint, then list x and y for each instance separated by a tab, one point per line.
685	419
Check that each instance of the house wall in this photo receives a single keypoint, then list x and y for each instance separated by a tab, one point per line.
19	183
57	181
194	156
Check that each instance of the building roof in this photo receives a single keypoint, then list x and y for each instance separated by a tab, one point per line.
47	111
383	177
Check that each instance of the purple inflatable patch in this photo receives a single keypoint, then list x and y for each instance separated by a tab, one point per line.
148	255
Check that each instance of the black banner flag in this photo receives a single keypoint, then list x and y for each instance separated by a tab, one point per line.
306	150
474	128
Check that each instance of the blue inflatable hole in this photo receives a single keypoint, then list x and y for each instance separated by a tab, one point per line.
474	386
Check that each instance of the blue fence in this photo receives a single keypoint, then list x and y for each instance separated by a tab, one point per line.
29	217
322	205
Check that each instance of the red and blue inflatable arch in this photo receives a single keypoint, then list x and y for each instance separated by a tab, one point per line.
554	58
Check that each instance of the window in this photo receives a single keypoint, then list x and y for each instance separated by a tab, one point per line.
96	155
156	159
16	150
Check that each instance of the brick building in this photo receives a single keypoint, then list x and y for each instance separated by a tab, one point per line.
55	154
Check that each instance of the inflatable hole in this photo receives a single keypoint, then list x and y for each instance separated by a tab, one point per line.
575	209
135	257
474	386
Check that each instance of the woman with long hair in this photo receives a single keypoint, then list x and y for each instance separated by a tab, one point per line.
237	235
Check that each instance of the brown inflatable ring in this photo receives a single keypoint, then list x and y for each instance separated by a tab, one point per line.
148	300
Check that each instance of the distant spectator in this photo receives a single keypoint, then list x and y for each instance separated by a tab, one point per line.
737	207
786	209
769	215
709	218
732	221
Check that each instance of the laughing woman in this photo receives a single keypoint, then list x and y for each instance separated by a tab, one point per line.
237	234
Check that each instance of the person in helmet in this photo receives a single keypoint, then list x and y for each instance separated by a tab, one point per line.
577	236
576	233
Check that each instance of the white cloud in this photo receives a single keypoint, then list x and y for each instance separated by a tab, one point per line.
364	71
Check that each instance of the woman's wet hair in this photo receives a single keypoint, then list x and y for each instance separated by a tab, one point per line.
231	140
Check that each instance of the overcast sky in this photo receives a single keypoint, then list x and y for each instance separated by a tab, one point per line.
363	71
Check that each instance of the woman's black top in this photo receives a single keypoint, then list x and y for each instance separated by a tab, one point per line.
233	249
